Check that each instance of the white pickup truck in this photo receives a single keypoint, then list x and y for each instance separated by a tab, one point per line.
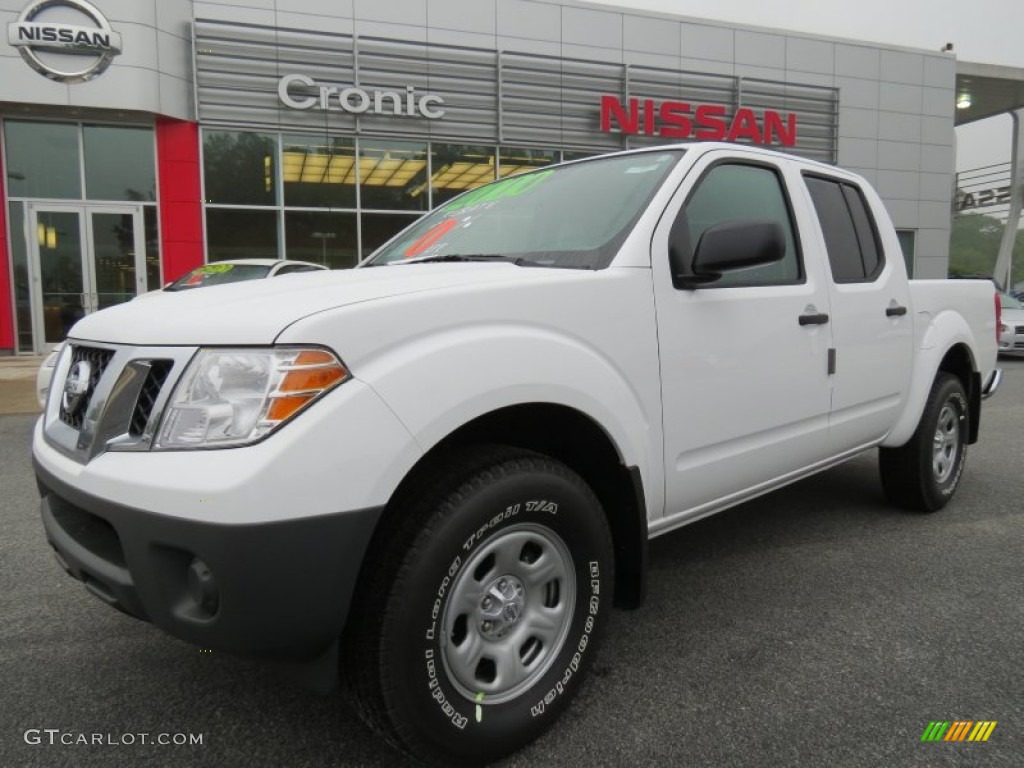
439	470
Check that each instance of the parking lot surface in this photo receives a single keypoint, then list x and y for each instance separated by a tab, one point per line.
814	626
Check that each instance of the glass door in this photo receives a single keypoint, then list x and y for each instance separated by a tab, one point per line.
116	262
85	258
56	237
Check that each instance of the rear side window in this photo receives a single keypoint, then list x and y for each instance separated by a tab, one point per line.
851	237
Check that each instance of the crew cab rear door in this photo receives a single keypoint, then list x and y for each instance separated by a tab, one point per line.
745	387
872	323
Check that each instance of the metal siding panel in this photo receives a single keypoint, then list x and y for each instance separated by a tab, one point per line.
542	101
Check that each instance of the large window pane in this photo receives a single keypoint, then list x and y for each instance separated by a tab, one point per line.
22	288
236	234
512	160
119	163
42	160
458	167
239	168
319	172
393	175
378	228
323	238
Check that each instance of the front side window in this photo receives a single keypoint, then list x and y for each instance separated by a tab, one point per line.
574	216
733	193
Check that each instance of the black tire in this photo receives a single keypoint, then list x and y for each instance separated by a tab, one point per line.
924	474
516	533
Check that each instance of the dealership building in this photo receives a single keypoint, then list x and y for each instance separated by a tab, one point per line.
141	138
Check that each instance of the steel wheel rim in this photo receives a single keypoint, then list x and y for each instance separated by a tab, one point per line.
508	613
946	442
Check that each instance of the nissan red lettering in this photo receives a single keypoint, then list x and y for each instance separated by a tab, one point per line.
672	119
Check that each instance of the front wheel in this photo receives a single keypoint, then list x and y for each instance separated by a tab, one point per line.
483	609
924	474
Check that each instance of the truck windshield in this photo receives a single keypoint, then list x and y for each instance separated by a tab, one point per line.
570	216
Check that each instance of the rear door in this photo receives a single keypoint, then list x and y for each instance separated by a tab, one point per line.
872	327
745	386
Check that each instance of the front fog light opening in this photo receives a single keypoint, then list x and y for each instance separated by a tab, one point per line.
203	590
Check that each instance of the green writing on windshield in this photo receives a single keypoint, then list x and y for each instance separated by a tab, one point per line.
506	188
214	269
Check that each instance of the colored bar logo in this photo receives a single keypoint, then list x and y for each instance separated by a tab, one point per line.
959	730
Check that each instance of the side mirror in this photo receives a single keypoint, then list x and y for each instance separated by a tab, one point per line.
729	246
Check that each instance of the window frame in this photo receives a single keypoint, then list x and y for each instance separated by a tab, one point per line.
787	199
844	185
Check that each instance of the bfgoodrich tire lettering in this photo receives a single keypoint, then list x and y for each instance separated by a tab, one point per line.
490	609
924	474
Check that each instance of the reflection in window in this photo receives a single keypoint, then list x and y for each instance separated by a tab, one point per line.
512	161
393	175
19	267
378	228
119	163
239	168
458	167
42	160
907	239
323	238
151	234
319	172
239	234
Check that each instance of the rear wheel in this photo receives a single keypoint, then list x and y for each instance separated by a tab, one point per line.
924	474
481	608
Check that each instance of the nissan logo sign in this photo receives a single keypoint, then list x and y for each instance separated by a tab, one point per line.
56	37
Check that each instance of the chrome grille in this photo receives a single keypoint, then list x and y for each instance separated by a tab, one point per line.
98	359
148	396
1019	329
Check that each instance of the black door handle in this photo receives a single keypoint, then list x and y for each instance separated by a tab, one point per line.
817	318
895	311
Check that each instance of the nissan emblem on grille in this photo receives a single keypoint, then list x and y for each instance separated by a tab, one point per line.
77	386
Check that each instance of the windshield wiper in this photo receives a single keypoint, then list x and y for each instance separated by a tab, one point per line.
517	260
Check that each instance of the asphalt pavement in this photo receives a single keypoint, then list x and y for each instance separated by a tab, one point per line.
812	627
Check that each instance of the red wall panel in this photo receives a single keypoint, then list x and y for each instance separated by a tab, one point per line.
181	210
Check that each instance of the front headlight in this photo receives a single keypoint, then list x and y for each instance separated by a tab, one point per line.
230	397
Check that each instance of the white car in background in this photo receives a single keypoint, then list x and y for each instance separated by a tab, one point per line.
1011	328
215	273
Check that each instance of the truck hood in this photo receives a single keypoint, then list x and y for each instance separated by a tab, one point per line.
257	311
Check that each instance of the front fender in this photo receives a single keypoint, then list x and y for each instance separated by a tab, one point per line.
439	383
946	331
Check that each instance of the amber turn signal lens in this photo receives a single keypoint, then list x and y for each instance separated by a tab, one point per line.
284	407
309	374
303	380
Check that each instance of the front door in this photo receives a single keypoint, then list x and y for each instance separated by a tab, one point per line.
745	382
84	258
